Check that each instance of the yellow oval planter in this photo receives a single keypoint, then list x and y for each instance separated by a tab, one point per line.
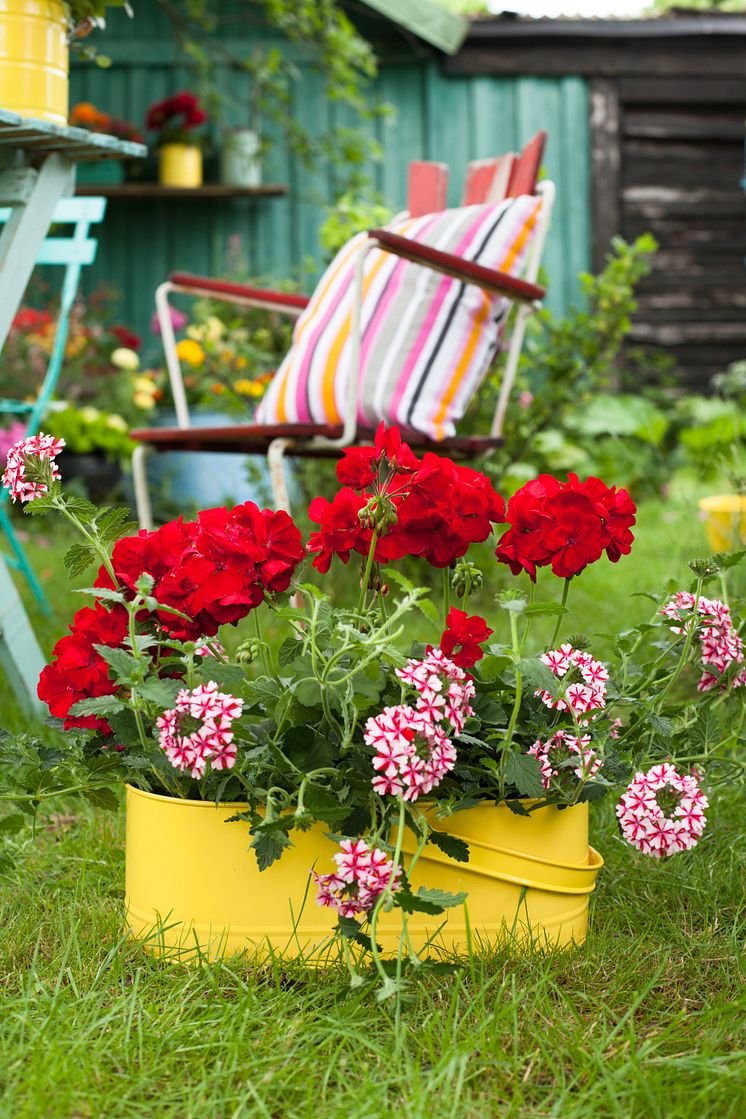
180	165
193	887
34	59
725	521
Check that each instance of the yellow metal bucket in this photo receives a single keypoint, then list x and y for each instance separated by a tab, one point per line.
725	521
34	59
180	165
193	887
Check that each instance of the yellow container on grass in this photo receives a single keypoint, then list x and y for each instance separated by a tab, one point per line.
725	521
34	59
193	886
180	165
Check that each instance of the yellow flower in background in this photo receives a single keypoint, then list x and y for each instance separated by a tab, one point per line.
90	414
125	358
248	388
241	363
190	351
210	331
116	422
144	392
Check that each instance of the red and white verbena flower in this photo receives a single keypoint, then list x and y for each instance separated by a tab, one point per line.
413	748
20	478
662	811
362	875
198	729
720	644
560	747
586	693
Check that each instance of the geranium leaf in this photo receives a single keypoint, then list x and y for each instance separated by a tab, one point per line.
450	845
524	771
268	847
427	901
78	558
97	705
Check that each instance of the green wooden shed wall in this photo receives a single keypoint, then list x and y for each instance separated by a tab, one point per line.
437	117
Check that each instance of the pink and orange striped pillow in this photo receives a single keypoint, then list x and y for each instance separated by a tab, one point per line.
427	339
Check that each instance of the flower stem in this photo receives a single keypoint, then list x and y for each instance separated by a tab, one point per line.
382	898
102	553
516	706
565	593
685	651
368	568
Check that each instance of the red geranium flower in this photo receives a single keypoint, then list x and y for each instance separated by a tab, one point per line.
78	671
127	337
462	637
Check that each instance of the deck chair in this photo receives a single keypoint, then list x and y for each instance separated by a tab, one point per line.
72	252
505	177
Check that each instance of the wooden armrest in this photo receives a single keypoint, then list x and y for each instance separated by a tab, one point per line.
489	279
228	289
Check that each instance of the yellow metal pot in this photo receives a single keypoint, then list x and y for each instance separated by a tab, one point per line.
33	59
193	887
180	165
725	521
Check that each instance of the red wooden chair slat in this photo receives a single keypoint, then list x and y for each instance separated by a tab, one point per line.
526	172
480	175
241	291
427	188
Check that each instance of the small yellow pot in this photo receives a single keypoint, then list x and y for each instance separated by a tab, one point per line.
180	165
34	59
725	521
193	887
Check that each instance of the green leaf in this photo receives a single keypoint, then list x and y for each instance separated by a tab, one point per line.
161	692
524	771
112	524
536	673
288	650
104	593
450	845
97	705
427	901
706	731
126	668
229	676
102	798
268	847
545	609
10	825
78	558
429	609
350	930
307	691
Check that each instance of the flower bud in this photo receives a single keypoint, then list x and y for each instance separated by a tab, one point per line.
465	578
249	650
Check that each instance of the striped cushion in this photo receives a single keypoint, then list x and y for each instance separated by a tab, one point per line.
427	339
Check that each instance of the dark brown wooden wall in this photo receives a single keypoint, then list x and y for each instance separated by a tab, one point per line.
668	106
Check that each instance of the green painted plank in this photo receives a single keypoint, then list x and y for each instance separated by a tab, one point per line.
436	25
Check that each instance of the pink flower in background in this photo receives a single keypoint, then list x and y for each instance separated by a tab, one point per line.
362	875
178	320
662	811
31	468
198	729
9	436
525	400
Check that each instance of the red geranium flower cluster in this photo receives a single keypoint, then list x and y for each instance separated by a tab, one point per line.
215	569
127	337
566	525
78	671
429	508
164	114
465	634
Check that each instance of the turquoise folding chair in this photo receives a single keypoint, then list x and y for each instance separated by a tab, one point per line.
72	252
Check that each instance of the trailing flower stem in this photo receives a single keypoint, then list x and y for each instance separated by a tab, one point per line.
558	624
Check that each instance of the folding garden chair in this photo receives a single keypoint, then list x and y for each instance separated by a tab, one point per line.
71	251
289	422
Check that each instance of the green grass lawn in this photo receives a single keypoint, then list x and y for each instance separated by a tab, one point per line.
648	1019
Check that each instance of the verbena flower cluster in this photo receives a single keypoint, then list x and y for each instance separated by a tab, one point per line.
362	875
413	747
431	508
720	644
586	690
662	811
22	485
563	747
198	729
566	525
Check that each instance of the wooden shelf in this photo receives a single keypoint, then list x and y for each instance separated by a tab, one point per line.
42	138
155	190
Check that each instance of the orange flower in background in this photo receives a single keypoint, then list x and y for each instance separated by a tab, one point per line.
86	115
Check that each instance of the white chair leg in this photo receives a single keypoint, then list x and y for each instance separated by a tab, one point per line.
140	483
278	481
